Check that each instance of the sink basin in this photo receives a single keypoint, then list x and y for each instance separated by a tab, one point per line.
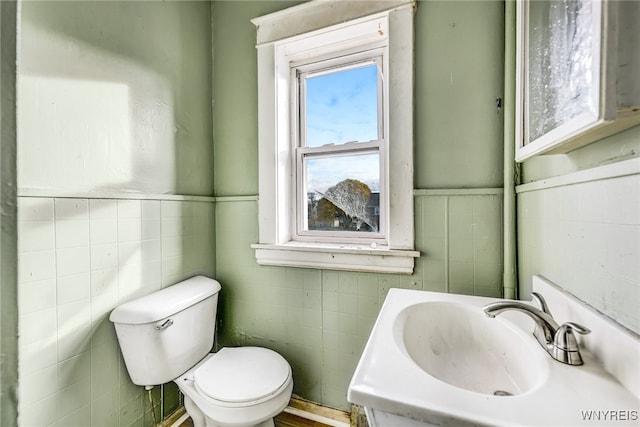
459	345
436	359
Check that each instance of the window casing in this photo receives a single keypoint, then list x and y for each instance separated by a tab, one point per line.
288	56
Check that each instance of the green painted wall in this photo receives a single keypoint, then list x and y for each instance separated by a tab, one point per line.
235	101
114	101
135	77
318	319
459	75
8	217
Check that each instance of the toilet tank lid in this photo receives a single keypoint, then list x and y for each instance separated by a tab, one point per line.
166	302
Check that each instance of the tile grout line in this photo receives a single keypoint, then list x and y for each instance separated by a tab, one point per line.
446	244
120	364
91	346
55	279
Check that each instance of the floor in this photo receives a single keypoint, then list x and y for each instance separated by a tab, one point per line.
300	407
187	423
282	420
290	420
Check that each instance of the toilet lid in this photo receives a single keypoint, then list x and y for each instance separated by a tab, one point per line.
242	374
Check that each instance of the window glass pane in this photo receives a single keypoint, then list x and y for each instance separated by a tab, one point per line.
343	192
560	63
342	106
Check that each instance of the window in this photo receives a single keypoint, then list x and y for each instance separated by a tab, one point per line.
340	149
577	71
336	141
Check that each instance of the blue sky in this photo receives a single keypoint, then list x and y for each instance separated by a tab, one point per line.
342	107
323	173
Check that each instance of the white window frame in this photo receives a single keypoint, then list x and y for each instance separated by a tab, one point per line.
579	124
314	31
615	90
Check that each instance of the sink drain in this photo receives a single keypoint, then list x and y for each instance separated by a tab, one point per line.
502	393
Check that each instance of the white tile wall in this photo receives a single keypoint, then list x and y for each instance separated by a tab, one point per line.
586	238
78	259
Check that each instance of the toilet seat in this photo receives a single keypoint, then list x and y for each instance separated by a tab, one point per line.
242	376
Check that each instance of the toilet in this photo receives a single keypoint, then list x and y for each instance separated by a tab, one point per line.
168	335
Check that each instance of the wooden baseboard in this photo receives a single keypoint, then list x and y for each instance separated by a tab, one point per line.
317	414
301	413
173	418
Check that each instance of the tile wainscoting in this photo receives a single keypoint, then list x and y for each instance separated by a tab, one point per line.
78	259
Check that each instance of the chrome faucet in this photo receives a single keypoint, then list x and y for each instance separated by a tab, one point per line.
559	341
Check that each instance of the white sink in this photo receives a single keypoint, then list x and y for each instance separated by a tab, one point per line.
436	359
459	345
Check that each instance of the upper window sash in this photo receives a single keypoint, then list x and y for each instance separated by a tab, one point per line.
336	65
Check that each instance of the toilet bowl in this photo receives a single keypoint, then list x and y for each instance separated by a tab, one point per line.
168	335
239	386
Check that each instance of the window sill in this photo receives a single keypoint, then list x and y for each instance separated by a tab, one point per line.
336	257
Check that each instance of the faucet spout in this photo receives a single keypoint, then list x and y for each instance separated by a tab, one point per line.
546	326
558	341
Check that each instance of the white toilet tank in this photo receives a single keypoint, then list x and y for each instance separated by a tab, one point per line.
165	333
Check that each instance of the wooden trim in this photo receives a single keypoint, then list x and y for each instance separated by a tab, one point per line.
609	171
353	258
316	16
89	194
320	414
174	417
223	199
458	191
314	414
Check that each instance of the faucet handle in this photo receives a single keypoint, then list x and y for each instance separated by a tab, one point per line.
565	344
565	339
541	302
